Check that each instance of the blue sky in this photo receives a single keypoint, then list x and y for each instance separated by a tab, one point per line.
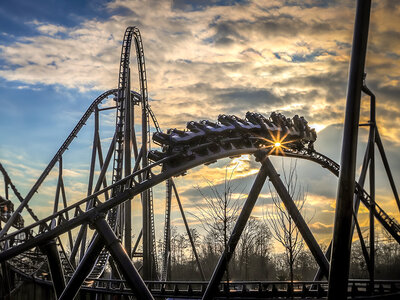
203	58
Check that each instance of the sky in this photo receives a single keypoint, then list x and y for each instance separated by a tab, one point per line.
203	58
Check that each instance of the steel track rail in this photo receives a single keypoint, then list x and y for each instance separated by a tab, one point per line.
189	159
58	154
131	33
136	99
8	181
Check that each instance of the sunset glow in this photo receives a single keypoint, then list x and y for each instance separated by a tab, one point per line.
203	59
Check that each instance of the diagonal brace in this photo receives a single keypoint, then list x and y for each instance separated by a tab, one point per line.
83	270
297	218
55	266
212	287
122	259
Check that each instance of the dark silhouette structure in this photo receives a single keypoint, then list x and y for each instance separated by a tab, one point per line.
98	257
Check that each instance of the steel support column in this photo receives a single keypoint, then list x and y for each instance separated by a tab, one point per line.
97	188
137	243
5	282
91	177
340	258
361	238
6	183
188	231
64	198
165	271
127	165
297	218
212	287
58	188
146	229
122	259
55	266
83	270
371	139
146	235
318	276
387	167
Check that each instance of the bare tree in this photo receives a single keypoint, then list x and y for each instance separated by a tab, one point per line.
196	241
218	213
283	228
174	245
254	243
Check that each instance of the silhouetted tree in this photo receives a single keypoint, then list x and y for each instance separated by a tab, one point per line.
283	228
253	247
218	213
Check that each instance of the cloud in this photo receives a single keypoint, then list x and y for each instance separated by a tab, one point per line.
321	228
208	58
48	29
213	57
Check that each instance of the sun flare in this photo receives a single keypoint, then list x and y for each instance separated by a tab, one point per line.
278	143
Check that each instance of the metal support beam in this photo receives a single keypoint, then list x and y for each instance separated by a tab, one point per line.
114	274
91	176
65	204
94	149
127	165
362	242
146	235
83	270
147	249
212	287
372	207
371	142
387	167
318	276
97	188
165	274
340	258
5	284
6	183
297	218
122	259
58	188
101	163
55	266
24	203
137	243
188	231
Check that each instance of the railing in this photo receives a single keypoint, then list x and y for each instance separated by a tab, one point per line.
174	164
247	289
357	288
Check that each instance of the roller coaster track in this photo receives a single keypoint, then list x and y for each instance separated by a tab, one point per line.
201	143
173	164
18	223
136	98
62	149
120	95
123	87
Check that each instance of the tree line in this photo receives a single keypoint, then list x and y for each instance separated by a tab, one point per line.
254	257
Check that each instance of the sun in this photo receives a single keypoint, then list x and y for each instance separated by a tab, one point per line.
278	143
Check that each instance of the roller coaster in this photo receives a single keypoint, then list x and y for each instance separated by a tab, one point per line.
85	246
